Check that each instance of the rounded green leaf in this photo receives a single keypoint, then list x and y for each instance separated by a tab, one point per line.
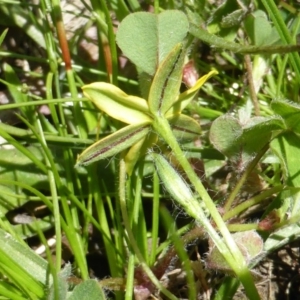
250	244
146	39
224	135
137	38
241	142
258	27
173	27
89	289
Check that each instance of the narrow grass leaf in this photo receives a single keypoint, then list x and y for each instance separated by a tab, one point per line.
286	147
15	87
3	34
10	291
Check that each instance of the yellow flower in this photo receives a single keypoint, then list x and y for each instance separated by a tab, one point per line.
163	101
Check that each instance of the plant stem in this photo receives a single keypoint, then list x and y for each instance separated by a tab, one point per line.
222	43
283	31
133	244
250	202
241	181
253	95
230	251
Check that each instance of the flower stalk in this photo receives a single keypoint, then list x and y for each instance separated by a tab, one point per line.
227	247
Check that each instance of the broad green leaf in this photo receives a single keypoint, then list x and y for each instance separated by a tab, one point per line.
145	81
240	143
185	98
173	27
257	132
290	112
146	39
113	144
166	82
116	103
184	128
88	290
15	165
23	266
224	134
272	123
249	242
137	38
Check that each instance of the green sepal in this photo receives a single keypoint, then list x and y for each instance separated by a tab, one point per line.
185	98
166	82
113	144
184	127
133	155
116	103
170	178
138	150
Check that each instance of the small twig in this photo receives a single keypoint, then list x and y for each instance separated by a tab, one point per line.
61	34
253	95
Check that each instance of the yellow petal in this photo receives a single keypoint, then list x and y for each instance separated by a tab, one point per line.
185	98
117	104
